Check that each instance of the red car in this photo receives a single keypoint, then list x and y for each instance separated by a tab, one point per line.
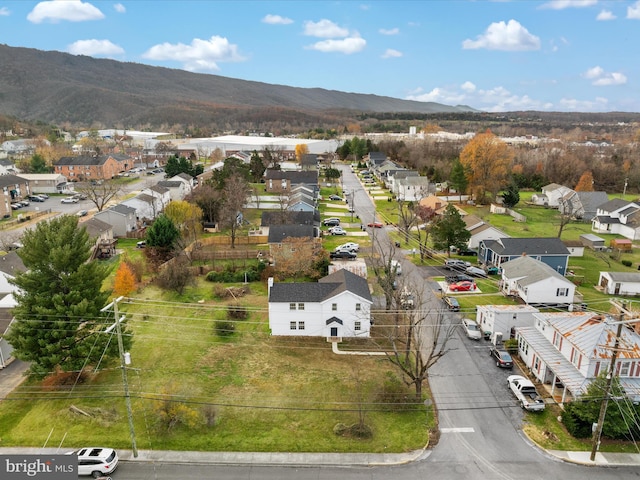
464	286
375	225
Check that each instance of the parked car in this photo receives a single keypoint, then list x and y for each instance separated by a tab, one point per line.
458	277
24	202
503	358
455	264
451	303
465	286
80	196
36	198
335	197
82	213
16	206
337	231
352	246
375	225
493	270
96	461
471	329
43	195
343	255
141	244
331	222
69	200
476	272
525	392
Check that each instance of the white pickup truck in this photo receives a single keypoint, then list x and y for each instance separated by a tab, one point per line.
526	393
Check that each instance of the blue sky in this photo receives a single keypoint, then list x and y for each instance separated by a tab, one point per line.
558	55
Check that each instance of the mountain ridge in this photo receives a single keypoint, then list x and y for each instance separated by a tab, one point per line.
58	87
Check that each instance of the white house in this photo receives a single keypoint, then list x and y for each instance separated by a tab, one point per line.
338	305
620	283
146	206
618	216
504	318
45	182
551	195
536	283
188	181
480	230
177	190
413	188
7	302
575	347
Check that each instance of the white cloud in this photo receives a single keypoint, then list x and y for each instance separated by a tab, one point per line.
276	20
391	53
605	15
497	99
510	36
70	10
389	31
95	48
633	11
600	78
199	55
4	12
119	8
347	45
324	29
562	4
468	87
599	104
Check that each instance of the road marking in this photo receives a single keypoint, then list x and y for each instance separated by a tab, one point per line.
457	430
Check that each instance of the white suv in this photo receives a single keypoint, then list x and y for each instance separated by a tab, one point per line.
96	461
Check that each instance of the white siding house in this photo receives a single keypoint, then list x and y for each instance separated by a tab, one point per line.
45	182
575	347
620	283
536	283
338	305
502	318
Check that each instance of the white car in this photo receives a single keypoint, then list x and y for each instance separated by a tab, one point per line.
96	461
352	246
337	231
471	329
69	200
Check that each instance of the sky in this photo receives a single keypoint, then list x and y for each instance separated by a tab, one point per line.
495	56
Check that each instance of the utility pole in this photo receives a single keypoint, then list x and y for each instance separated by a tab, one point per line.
123	365
597	432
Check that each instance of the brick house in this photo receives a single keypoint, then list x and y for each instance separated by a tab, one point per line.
12	189
98	167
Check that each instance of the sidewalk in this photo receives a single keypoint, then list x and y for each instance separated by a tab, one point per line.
319	459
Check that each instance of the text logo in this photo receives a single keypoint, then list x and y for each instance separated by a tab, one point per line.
38	467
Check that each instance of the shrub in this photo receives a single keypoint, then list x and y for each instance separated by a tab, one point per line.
237	312
626	263
225	328
394	394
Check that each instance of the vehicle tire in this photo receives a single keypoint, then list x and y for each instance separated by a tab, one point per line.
96	474
522	405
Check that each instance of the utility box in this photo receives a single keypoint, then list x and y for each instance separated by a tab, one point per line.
497	338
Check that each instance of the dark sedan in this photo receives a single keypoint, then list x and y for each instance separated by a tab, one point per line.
502	358
342	255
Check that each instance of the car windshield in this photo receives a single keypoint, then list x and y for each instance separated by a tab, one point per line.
472	326
505	356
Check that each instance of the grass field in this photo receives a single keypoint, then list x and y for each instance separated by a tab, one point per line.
265	393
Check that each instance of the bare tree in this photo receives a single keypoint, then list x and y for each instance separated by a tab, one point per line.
235	194
415	339
407	218
100	193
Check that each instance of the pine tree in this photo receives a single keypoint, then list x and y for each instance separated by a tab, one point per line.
450	230
458	178
58	320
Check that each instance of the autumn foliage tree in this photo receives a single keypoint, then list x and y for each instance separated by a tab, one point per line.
298	257
301	150
585	184
487	163
125	281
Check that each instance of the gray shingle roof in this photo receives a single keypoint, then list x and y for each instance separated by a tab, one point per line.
624	276
11	263
532	270
327	287
614	204
10	180
277	233
530	246
90	159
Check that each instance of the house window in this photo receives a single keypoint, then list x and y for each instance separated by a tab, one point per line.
300	325
562	292
556	340
358	326
334	307
358	307
624	369
301	306
292	325
292	306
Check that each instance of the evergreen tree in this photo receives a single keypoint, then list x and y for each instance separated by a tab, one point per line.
450	230
58	320
162	237
511	196
38	164
256	167
458	178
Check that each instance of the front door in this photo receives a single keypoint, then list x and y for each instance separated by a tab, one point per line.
334	331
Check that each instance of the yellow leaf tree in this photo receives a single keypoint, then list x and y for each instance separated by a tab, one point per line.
187	217
487	161
301	150
125	281
585	184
